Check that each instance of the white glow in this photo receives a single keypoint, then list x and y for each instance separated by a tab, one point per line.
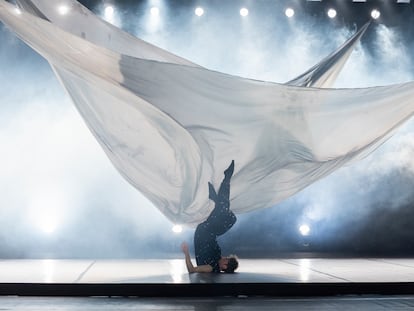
154	21
47	221
332	13
375	14
63	10
304	230
109	14
177	229
17	11
109	11
48	270
304	265
289	12
199	11
177	270
46	207
155	11
244	12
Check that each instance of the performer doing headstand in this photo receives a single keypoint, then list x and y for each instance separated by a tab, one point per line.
221	219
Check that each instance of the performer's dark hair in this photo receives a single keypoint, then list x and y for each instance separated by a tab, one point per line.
232	265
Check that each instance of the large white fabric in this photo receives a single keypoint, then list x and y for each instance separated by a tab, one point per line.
170	128
80	21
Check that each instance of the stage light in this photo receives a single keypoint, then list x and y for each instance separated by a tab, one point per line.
304	230
63	10
375	14
155	11
403	1
154	21
359	0
109	12
199	11
46	207
177	229
46	218
244	12
289	12
331	13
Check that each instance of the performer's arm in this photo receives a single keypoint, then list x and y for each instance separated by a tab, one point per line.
189	264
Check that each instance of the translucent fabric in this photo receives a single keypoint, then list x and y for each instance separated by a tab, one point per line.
171	127
81	22
324	73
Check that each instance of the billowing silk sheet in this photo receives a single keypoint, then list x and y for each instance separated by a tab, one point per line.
81	22
171	127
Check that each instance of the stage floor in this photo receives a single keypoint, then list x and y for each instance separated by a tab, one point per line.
269	277
173	271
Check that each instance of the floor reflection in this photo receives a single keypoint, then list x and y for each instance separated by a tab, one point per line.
48	270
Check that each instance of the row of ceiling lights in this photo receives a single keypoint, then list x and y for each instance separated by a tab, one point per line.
289	12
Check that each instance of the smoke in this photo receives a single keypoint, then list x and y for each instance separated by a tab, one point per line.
61	197
383	61
59	194
350	204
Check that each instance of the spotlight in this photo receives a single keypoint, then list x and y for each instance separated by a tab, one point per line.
109	11
155	11
289	12
244	12
304	230
332	13
45	215
375	14
17	11
48	224
199	11
63	10
177	229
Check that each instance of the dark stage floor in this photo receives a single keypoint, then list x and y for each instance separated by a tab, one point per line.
376	303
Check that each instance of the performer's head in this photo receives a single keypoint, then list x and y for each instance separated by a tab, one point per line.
229	264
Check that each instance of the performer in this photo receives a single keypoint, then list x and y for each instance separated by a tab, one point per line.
221	219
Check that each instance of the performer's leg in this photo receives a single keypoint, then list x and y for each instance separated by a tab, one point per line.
222	218
224	190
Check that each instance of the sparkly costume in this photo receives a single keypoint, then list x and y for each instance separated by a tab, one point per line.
221	219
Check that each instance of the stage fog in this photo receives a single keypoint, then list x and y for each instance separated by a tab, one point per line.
60	197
